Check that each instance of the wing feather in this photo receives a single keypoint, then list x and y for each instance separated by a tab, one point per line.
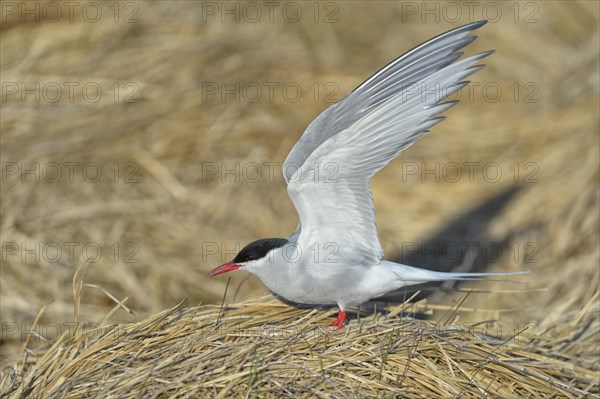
423	60
361	134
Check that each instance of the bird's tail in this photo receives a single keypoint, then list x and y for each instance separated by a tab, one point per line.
414	275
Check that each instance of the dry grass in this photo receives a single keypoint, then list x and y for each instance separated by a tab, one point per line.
264	348
169	219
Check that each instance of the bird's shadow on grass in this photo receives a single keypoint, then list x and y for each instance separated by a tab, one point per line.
460	246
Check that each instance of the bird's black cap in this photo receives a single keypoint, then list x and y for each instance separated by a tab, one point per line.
259	249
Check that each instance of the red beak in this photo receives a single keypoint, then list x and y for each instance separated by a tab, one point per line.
224	268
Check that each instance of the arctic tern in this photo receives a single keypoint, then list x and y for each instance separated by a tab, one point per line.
334	257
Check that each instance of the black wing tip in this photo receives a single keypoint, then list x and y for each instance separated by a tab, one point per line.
444	106
470	27
475	24
486	53
469	39
479	24
479	57
450	103
475	68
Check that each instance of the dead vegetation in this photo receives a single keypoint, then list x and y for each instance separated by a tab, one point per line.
163	216
267	349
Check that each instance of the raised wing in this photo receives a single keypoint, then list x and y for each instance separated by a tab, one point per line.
392	79
329	169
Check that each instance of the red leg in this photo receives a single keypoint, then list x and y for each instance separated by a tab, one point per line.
339	322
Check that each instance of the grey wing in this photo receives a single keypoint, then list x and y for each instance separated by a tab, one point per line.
377	121
392	79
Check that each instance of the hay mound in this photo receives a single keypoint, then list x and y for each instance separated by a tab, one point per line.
162	221
263	348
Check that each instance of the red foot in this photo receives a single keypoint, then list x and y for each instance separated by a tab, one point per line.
339	322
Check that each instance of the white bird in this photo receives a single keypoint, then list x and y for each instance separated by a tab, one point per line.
334	257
